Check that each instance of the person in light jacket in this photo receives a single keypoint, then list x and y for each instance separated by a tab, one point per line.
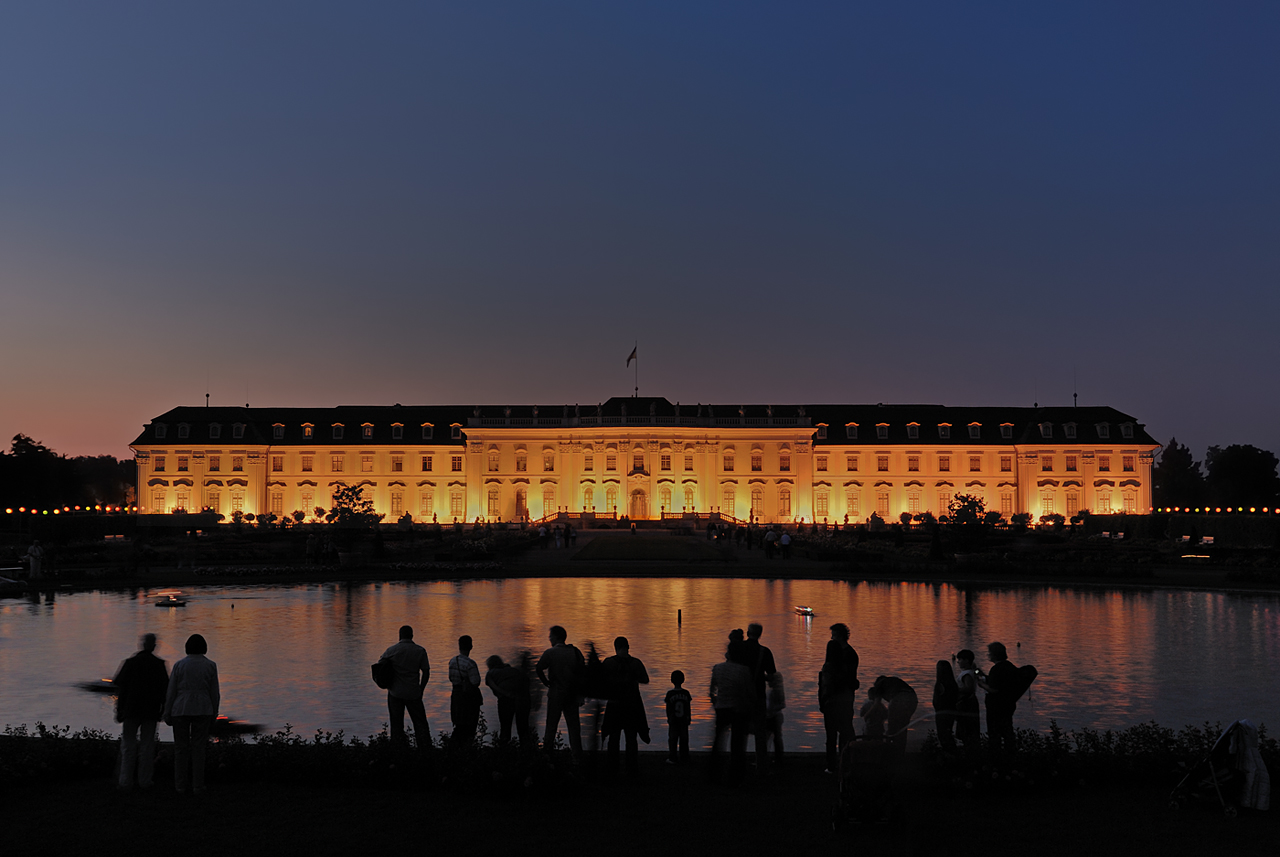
190	707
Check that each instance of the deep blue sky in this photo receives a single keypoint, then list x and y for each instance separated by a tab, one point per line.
336	203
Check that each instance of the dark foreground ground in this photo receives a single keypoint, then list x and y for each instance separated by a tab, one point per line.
669	810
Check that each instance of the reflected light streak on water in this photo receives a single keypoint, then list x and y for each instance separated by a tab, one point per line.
301	654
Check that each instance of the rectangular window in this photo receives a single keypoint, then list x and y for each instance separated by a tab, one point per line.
851	463
820	504
308	502
237	463
335	463
944	502
1073	505
588	463
913	463
159	464
1046	504
493	461
1104	503
1072	463
277	464
913	504
184	463
237	502
455	504
664	461
944	464
397	504
611	462
688	463
1046	464
425	505
548	462
397	464
882	463
851	504
308	463
1006	464
1126	462
157	501
822	464
882	503
728	464
277	503
426	464
757	463
1006	505
1130	504
215	503
455	463
637	461
975	464
215	463
1104	464
495	503
784	462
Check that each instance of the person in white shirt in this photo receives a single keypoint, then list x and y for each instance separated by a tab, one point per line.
190	707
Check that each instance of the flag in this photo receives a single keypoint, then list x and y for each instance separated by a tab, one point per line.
633	355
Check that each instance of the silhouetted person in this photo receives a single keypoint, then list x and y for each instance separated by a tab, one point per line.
901	701
140	684
679	704
732	699
405	694
1000	684
760	659
566	667
773	716
837	684
624	716
465	698
968	721
35	556
946	695
874	715
511	687
190	707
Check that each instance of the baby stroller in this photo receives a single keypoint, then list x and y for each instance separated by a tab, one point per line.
865	782
1233	774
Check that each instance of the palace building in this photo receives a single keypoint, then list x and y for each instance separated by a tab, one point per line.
647	458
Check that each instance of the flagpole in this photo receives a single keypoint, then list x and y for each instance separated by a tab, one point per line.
636	350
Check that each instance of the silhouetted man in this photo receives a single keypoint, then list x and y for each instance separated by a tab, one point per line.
465	699
1001	687
140	684
405	693
511	687
567	669
624	715
760	659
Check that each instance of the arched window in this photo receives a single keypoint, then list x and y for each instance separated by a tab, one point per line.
820	504
455	504
664	498
493	461
851	504
548	499
784	502
611	499
588	499
522	503
729	494
495	507
689	504
757	502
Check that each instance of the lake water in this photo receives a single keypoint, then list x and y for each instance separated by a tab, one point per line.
301	654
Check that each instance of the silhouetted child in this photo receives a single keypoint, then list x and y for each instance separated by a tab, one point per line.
874	714
679	715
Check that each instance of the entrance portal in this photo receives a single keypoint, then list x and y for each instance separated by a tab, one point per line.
639	504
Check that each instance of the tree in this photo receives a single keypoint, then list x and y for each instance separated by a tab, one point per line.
967	510
1241	475
351	509
1176	479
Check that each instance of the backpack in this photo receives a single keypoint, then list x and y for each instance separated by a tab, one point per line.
384	673
1025	675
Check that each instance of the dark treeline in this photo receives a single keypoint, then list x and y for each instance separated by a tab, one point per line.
1236	476
34	476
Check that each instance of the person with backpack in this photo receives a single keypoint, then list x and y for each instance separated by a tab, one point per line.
1004	686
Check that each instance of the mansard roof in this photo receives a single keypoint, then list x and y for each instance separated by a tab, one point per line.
1024	424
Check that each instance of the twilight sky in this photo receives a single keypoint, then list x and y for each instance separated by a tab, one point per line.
321	203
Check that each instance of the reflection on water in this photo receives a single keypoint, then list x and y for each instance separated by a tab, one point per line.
301	654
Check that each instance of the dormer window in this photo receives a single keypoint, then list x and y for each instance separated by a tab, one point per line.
427	430
237	430
215	431
184	430
1126	430
1006	431
366	431
1104	430
455	431
851	431
913	430
975	431
308	431
277	431
337	431
161	431
882	431
397	431
1046	430
822	431
944	431
1069	430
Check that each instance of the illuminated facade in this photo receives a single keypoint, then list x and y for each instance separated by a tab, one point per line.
646	458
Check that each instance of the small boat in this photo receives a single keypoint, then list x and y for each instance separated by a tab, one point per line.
169	598
804	610
103	685
223	725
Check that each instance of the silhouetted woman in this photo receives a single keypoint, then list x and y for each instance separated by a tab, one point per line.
946	694
190	707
